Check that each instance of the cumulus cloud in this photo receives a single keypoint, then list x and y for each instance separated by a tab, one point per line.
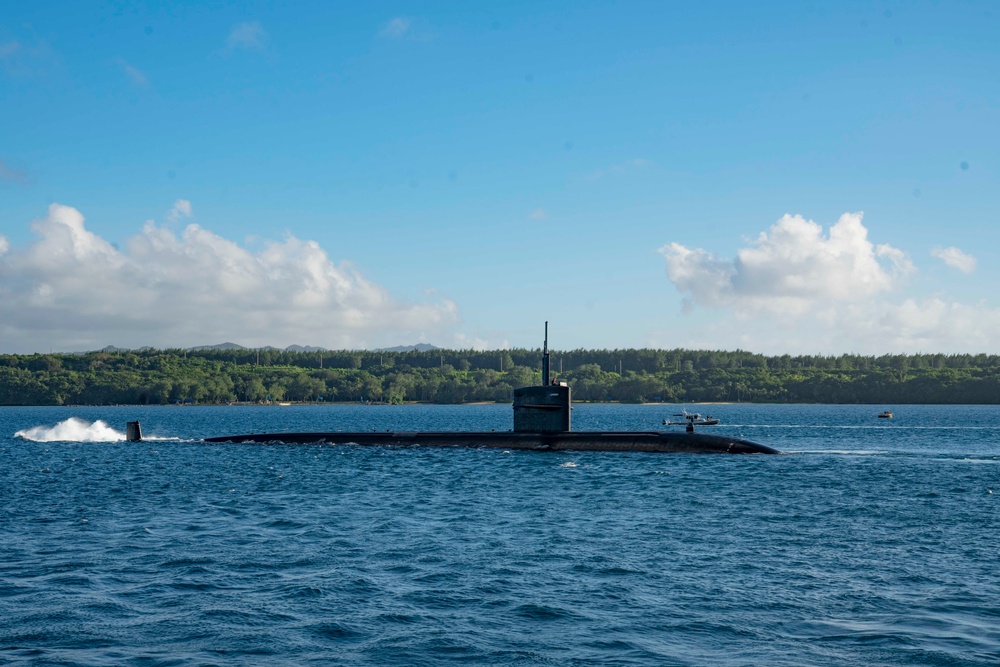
790	268
396	27
180	209
249	36
796	290
77	291
955	258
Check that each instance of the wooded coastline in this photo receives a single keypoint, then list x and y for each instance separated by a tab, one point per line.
462	376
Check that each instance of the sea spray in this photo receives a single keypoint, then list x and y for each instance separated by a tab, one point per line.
73	429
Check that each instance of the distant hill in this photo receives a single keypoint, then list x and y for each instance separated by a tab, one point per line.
305	348
220	346
419	347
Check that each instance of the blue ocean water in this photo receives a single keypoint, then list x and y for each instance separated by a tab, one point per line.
872	542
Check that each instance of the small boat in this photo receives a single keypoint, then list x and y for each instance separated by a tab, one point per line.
691	419
885	414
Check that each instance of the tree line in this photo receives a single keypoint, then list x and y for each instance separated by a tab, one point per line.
459	376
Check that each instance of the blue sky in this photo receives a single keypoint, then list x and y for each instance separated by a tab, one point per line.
778	177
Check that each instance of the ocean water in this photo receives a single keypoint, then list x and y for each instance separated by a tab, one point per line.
871	542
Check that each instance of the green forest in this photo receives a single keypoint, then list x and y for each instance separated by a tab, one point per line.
461	376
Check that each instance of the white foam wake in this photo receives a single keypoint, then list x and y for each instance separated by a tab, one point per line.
72	430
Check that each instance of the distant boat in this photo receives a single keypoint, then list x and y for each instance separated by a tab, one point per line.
691	419
885	415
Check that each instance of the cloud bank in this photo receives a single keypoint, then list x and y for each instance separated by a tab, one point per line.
72	290
794	289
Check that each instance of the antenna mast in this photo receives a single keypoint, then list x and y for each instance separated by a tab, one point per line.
545	357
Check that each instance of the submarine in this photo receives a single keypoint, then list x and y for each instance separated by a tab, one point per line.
542	422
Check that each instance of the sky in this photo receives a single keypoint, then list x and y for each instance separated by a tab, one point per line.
778	177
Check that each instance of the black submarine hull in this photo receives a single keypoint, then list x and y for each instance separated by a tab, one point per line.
593	441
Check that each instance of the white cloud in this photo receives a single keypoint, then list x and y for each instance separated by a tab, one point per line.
461	341
913	325
396	27
707	279
794	290
955	258
538	214
790	268
180	209
134	74
4	245
76	291
876	326
249	35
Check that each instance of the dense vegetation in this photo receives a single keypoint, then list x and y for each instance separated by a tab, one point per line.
457	376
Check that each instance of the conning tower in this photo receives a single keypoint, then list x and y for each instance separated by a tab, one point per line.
544	409
133	432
